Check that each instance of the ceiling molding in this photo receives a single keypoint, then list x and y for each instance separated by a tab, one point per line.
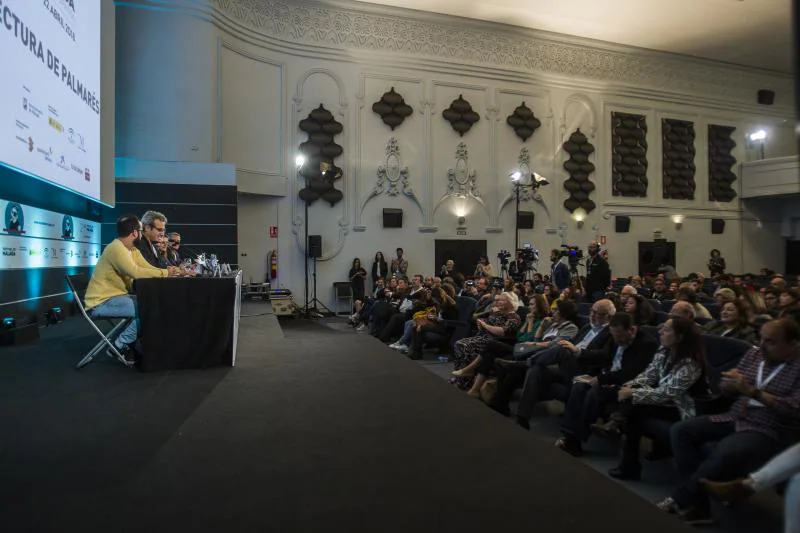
372	28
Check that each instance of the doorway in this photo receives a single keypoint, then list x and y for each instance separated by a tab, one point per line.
655	253
465	253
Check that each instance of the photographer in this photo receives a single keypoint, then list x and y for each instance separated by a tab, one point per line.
516	269
598	273
484	268
559	271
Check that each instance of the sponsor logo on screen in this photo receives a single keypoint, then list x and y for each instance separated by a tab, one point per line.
9	252
14	219
67	228
56	125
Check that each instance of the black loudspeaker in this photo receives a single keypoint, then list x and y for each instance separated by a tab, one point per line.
623	224
525	220
717	226
20	335
766	97
392	218
315	246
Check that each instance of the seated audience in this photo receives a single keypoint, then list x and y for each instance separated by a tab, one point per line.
502	322
592	393
436	322
538	310
640	309
684	309
154	224
789	304
778	283
627	292
686	293
107	294
783	467
767	383
771	298
660	290
662	393
721	296
733	323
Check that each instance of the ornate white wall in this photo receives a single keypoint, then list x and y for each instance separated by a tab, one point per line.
231	79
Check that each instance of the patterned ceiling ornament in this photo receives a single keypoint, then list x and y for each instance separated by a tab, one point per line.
523	122
579	167
392	109
460	115
462	180
392	177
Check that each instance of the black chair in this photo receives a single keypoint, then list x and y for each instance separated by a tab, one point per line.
77	285
581	321
702	320
650	330
666	305
584	308
461	328
660	317
722	354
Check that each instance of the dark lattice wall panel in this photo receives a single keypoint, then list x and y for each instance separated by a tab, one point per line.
720	162
579	167
628	155
677	138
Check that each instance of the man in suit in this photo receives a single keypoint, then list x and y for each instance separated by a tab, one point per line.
154	224
559	272
629	354
589	345
598	273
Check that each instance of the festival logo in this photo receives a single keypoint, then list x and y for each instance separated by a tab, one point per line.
15	219
67	228
9	252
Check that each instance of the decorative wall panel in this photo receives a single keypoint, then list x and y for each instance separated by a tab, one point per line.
579	167
523	122
677	142
628	155
320	150
460	115
392	109
720	161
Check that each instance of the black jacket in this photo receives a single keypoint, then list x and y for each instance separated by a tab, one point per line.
635	359
598	275
147	252
597	353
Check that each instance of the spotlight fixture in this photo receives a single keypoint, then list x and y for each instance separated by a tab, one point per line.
9	322
759	135
579	215
299	160
541	180
515	176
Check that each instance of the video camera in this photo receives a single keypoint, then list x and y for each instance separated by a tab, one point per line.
529	255
503	256
573	254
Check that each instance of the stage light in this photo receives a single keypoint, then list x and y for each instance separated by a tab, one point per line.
759	135
300	160
9	322
579	215
54	315
540	180
515	176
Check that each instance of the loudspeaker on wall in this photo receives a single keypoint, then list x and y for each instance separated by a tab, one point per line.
766	97
717	226
622	224
392	218
315	246
525	220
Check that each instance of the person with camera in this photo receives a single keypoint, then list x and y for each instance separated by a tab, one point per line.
484	268
598	273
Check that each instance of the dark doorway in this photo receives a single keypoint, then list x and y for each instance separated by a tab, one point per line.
792	257
655	253
465	253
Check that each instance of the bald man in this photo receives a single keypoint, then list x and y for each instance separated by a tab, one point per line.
684	309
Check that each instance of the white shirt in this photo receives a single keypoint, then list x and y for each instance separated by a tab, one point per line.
590	337
617	364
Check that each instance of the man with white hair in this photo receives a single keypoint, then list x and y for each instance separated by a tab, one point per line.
154	225
627	292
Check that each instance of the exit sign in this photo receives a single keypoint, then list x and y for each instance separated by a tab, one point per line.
461	232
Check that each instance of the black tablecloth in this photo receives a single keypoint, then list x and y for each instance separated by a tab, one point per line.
185	322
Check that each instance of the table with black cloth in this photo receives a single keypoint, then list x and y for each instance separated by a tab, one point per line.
187	322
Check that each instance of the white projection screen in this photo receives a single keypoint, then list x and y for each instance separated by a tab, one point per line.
57	93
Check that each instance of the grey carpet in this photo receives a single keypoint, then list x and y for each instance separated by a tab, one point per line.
314	430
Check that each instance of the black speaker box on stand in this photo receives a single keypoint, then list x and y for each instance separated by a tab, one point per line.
392	218
622	224
315	246
717	226
525	220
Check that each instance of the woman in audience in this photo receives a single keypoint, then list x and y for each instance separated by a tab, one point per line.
562	324
662	391
483	365
444	299
357	276
615	299
380	269
484	268
641	310
724	295
716	264
789	304
502	322
733	323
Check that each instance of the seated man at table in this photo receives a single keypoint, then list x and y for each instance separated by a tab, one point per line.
108	292
174	248
154	224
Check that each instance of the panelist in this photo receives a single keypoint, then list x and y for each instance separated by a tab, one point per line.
174	249
108	292
154	225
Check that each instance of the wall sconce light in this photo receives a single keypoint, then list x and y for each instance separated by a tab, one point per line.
462	221
579	215
678	220
299	160
759	136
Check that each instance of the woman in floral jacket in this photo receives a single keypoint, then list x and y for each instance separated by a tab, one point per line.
662	392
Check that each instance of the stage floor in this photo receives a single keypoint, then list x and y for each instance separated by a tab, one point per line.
318	428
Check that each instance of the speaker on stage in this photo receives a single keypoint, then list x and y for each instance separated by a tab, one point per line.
622	224
717	226
392	218
315	246
525	220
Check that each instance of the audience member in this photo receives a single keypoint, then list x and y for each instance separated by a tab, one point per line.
379	268
502	322
559	271
626	292
771	298
661	395
686	293
660	291
684	309
724	295
778	283
767	383
668	270
789	304
357	276
399	265
733	323
484	268
716	265
436	323
154	225
640	309
107	294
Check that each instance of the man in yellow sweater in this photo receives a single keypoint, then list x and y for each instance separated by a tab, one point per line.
121	263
